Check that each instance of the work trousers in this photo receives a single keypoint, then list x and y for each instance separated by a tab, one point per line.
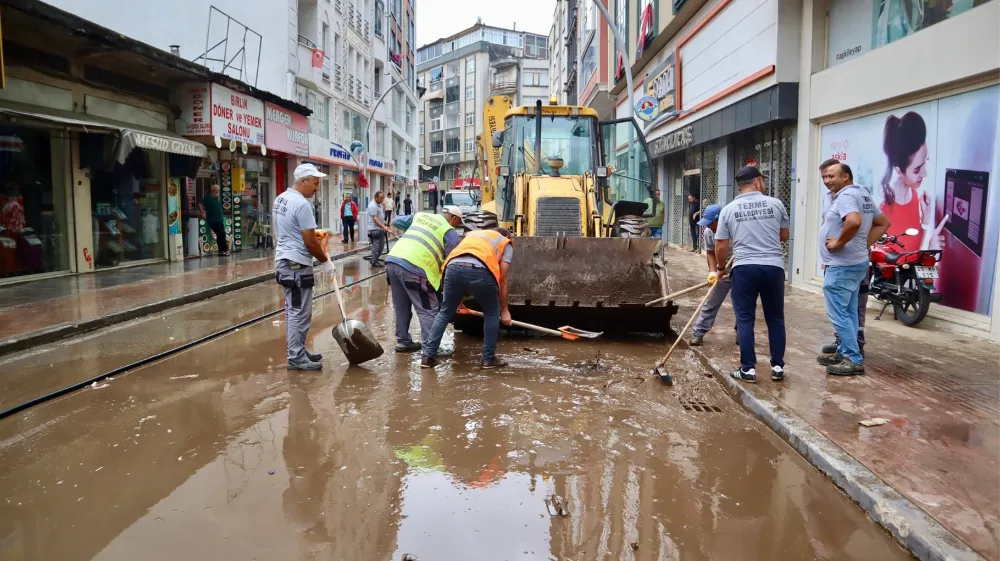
841	289
712	306
348	228
459	279
378	238
695	234
411	292
297	280
768	283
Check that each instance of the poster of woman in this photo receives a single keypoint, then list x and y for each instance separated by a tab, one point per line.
932	167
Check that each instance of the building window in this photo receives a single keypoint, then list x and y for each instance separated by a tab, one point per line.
435	123
470	118
378	17
421	127
470	92
451	94
589	65
536	47
420	152
470	65
437	146
345	128
621	22
645	5
437	74
470	144
451	120
536	78
453	145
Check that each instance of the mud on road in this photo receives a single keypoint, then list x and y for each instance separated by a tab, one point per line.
572	453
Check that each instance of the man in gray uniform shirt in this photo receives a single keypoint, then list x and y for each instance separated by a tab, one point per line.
852	223
755	225
295	247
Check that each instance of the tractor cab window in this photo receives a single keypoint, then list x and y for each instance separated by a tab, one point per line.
568	138
630	176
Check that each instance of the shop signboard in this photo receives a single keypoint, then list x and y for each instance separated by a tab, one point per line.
933	167
285	131
660	87
858	26
173	206
217	111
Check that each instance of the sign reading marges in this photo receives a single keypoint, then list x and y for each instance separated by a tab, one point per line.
661	85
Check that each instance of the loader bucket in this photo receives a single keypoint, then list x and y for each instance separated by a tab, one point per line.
597	284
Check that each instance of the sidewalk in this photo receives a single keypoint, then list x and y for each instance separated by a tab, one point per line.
38	312
939	390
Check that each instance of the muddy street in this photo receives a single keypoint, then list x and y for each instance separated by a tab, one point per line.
571	453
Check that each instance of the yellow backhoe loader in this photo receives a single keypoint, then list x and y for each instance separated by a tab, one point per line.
574	191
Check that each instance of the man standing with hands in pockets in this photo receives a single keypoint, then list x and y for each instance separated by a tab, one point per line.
755	225
853	222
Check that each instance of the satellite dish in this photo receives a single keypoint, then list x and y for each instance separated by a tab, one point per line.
232	145
218	142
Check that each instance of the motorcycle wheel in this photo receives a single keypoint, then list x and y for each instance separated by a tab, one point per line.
914	309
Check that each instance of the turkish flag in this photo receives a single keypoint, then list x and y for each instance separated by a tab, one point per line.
318	58
363	181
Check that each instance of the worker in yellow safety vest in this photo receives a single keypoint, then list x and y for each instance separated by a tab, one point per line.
480	266
414	269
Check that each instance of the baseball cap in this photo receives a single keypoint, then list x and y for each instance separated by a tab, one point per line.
307	170
454	211
747	174
709	215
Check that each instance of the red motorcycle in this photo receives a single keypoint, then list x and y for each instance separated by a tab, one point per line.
903	279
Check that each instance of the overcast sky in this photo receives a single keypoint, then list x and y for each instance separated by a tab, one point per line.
440	18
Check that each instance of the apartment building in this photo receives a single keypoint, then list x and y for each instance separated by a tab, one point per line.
335	57
459	73
562	52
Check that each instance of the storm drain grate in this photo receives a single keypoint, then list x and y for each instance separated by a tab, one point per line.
699	406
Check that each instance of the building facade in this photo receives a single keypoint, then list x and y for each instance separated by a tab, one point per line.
922	137
105	158
459	73
335	57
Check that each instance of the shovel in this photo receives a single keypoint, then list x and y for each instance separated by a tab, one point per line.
658	369
353	336
566	332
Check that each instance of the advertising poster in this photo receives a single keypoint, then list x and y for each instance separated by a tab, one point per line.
858	26
173	206
933	167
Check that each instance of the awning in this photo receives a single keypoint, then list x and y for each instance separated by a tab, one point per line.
436	94
130	136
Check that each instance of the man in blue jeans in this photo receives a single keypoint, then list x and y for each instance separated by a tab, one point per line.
479	266
853	222
755	225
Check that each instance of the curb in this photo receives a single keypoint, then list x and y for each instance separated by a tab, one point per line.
913	528
64	330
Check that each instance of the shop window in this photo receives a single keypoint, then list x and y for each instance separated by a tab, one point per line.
127	205
33	201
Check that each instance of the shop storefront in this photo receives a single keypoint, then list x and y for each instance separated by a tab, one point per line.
35	202
924	144
233	123
116	210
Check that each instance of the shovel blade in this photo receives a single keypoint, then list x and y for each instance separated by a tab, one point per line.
570	330
357	341
664	376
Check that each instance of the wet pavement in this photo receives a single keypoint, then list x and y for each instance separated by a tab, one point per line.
37	305
940	391
219	453
47	368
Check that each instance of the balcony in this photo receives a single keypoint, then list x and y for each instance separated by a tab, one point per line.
358	91
367	31
350	15
339	5
327	69
502	87
338	75
350	86
368	97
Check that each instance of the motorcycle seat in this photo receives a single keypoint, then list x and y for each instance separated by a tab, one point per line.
892	257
